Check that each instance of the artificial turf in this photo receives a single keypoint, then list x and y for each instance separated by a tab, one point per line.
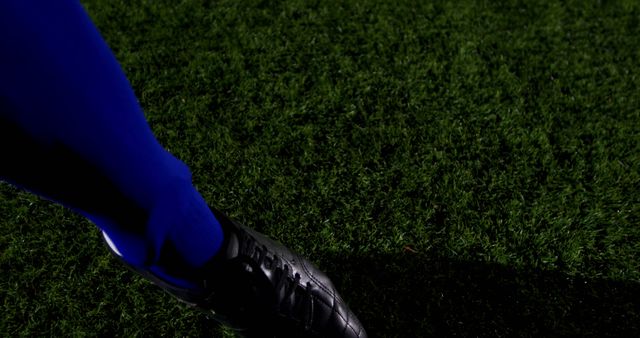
460	168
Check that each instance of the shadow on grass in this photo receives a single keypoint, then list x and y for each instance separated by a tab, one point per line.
412	295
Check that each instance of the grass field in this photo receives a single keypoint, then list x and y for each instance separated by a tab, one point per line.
460	168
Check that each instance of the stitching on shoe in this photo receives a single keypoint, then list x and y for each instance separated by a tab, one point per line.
336	298
333	307
333	310
347	325
353	329
322	286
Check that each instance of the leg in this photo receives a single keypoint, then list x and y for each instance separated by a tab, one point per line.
83	138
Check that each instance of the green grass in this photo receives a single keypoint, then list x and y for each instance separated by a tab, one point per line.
499	140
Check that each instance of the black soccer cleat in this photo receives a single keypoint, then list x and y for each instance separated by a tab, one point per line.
262	289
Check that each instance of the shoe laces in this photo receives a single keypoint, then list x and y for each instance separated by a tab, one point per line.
285	281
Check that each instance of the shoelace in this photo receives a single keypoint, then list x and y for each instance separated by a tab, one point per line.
301	306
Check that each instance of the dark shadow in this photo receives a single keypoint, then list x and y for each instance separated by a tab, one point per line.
414	295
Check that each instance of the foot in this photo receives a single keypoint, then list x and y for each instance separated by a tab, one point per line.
263	289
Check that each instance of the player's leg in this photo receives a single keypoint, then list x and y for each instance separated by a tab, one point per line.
74	132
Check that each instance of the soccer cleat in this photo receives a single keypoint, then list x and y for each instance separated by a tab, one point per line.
262	289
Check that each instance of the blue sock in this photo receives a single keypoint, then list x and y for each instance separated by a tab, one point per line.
72	131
